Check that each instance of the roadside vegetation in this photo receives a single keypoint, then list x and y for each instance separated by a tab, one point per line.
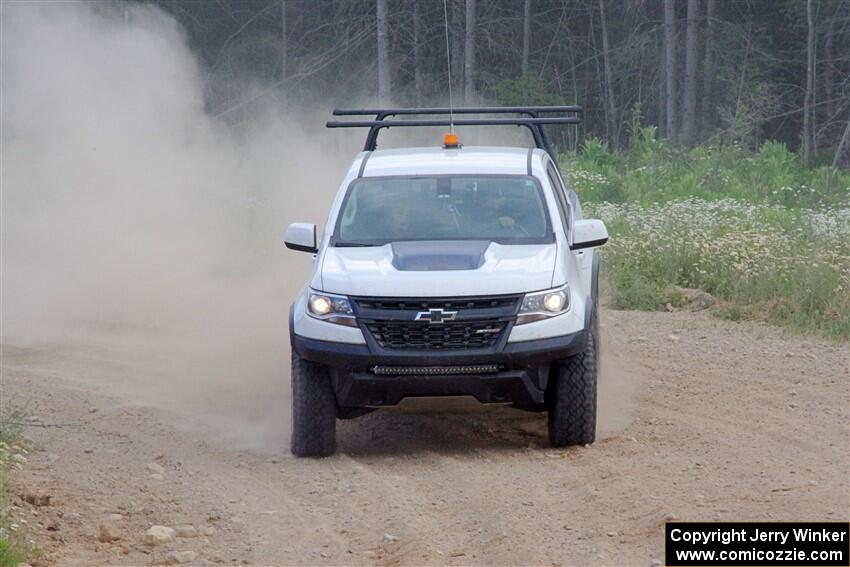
766	237
13	549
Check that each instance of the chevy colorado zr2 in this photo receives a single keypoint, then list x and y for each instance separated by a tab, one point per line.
448	271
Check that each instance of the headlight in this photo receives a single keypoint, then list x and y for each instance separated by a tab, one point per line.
544	304
331	308
321	305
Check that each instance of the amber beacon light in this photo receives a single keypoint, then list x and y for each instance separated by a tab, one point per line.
450	140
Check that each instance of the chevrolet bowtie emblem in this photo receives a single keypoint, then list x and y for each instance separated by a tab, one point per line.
436	316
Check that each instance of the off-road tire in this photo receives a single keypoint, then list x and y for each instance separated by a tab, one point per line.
572	399
313	410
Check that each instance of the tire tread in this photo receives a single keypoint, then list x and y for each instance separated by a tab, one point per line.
313	410
572	407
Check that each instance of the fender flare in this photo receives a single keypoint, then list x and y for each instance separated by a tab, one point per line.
292	324
594	277
591	303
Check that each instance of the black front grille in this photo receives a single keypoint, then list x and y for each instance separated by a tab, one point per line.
443	322
449	335
448	304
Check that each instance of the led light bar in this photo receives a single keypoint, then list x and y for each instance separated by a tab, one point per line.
435	370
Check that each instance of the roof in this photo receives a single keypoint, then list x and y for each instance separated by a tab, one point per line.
436	160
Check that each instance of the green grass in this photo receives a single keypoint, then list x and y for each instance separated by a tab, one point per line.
651	171
9	555
13	549
12	422
766	237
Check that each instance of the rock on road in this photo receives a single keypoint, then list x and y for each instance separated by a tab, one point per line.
701	419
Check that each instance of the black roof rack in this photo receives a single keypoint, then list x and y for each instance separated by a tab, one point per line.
527	116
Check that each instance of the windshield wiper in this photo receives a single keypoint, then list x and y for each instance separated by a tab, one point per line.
354	244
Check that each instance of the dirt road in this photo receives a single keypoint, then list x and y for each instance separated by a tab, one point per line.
701	420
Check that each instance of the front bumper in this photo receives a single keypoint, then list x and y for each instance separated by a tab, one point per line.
522	378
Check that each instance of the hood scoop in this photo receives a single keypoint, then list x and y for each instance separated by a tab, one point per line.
428	255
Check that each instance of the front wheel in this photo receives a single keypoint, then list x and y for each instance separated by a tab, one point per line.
572	399
313	410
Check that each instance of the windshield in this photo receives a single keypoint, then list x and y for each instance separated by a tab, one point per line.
504	209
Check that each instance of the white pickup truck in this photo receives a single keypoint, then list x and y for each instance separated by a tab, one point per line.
448	271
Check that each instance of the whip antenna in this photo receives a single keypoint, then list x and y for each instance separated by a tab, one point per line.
449	65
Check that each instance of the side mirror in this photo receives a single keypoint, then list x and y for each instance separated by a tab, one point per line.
588	233
301	236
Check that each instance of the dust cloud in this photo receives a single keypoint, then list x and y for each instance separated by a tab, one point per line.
134	220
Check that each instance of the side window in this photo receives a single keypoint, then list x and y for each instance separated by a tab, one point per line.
575	204
572	199
557	188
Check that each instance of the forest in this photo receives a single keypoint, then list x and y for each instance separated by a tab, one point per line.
700	71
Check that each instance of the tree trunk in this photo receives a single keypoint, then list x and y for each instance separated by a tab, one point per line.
662	88
689	98
610	107
808	103
526	36
283	53
457	39
383	54
842	153
707	113
418	55
343	29
670	65
469	54
829	69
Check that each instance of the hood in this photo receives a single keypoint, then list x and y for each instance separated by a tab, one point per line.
437	269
